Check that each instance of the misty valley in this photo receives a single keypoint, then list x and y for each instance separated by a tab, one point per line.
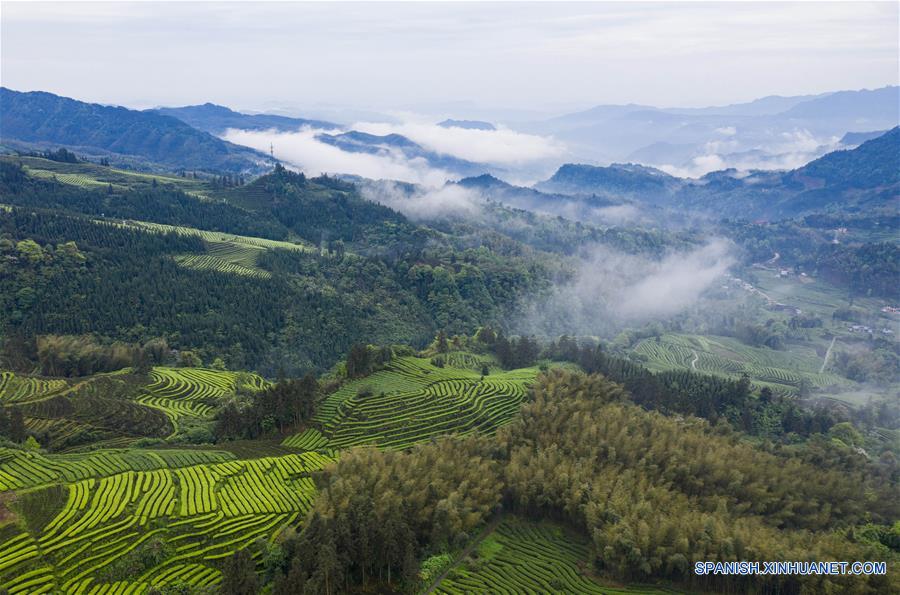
333	350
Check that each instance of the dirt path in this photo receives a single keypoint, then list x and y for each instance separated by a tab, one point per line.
827	355
472	545
694	361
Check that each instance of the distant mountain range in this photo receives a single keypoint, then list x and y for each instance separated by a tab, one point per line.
390	144
41	120
867	177
772	132
467	124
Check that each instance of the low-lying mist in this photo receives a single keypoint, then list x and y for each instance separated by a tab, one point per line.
611	290
522	158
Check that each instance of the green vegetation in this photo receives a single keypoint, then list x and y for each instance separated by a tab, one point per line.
523	557
198	514
784	371
411	401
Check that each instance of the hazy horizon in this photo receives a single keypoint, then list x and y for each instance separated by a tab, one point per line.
526	60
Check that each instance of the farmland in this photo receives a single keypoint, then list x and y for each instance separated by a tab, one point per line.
198	514
412	401
197	506
226	253
90	175
115	409
527	557
782	371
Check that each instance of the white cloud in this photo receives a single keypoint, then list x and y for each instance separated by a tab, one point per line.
611	289
786	150
497	147
302	150
427	204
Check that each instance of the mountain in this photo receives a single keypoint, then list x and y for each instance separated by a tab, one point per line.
853	139
594	209
617	180
782	131
467	124
877	105
388	144
43	119
216	119
874	164
867	177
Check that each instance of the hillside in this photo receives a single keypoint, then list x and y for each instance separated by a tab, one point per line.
617	180
216	119
842	180
44	119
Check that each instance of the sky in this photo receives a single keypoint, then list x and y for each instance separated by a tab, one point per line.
456	58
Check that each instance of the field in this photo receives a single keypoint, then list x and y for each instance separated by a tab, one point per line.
783	371
226	253
118	520
91	175
412	401
105	530
526	557
115	409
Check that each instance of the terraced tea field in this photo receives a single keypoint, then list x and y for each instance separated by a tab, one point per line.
207	262
412	401
525	557
18	388
91	175
782	371
103	522
85	522
226	253
73	179
194	392
118	408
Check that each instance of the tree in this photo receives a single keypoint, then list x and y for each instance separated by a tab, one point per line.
239	575
16	426
189	359
358	363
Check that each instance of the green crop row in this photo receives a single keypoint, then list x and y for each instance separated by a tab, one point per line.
523	557
23	469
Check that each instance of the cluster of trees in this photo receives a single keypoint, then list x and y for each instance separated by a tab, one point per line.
713	398
880	365
61	154
362	360
12	425
163	203
654	493
376	510
84	355
251	414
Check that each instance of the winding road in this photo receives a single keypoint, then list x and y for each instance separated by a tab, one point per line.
827	355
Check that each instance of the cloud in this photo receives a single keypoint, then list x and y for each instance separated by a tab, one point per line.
428	204
786	150
302	150
611	289
502	146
